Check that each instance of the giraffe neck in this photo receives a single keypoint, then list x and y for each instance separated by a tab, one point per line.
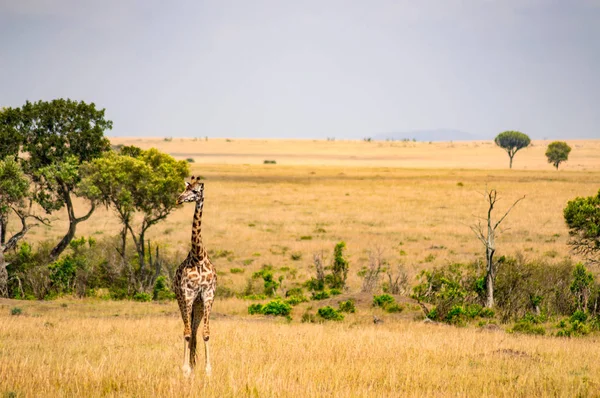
198	249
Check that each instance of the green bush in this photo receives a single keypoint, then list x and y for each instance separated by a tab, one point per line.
335	292
393	308
330	314
16	311
528	328
277	308
296	291
383	300
118	293
161	290
320	295
255	309
255	297
269	162
237	270
347	306
142	297
295	300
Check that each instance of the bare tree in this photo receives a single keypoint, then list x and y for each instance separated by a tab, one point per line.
487	236
372	272
397	280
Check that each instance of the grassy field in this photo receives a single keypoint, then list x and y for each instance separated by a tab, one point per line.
89	348
413	201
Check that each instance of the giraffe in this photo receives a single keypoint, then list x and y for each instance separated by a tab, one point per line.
195	283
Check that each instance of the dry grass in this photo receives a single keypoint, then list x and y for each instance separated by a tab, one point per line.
414	200
128	349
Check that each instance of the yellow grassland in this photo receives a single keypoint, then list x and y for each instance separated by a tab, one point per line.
413	200
89	348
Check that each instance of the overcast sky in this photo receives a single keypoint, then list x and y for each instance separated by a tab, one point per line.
324	68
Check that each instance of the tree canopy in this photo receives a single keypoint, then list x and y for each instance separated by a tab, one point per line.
142	187
55	137
558	152
582	216
512	142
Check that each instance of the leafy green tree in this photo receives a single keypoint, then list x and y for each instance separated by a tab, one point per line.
57	138
558	152
512	142
11	137
142	189
582	216
15	195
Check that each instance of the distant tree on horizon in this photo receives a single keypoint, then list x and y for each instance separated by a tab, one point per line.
558	152
512	142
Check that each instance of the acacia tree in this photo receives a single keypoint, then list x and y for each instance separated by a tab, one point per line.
582	216
487	236
141	186
58	137
512	142
558	152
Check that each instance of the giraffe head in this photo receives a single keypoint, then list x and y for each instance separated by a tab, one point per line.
194	191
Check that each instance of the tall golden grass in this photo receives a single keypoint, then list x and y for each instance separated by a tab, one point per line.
87	348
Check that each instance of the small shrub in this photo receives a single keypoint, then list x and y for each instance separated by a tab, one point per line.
142	297
329	314
393	308
320	295
190	160
335	292
118	293
429	258
487	313
168	139
296	291
306	237
16	311
347	306
255	309
295	300
269	162
236	270
161	290
277	308
383	300
255	297
526	327
296	256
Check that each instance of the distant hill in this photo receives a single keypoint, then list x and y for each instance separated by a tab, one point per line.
429	135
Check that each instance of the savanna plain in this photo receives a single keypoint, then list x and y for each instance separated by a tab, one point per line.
411	202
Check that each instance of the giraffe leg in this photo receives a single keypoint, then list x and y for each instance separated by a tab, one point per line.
208	301
185	306
197	312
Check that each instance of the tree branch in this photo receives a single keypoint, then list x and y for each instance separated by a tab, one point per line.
508	211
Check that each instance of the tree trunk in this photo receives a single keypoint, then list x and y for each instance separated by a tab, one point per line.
511	158
3	271
489	278
73	221
3	225
3	276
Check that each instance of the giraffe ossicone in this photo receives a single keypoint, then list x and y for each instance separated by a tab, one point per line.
195	283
